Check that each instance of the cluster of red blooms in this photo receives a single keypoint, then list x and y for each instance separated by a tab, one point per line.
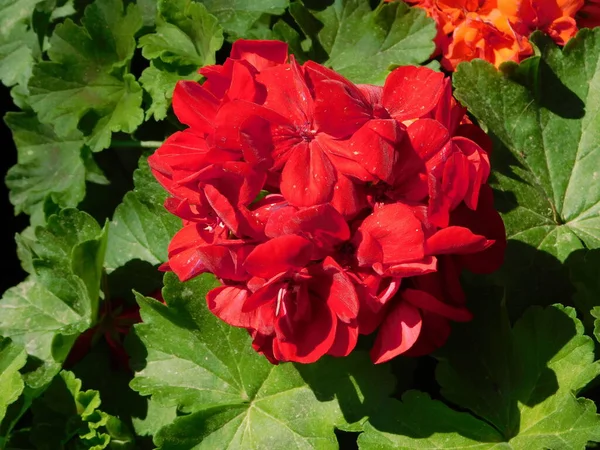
328	209
498	30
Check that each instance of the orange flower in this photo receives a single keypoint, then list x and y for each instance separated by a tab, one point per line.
455	12
553	17
491	38
498	30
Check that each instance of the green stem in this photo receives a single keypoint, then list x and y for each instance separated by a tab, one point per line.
135	144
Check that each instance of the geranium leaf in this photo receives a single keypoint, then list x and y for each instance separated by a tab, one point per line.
544	115
60	299
521	383
47	166
14	11
232	395
83	78
141	227
238	16
157	417
12	359
19	50
159	81
408	425
363	44
66	417
187	37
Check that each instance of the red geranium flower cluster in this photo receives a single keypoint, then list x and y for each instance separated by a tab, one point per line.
328	209
498	30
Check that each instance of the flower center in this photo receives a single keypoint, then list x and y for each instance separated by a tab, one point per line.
306	132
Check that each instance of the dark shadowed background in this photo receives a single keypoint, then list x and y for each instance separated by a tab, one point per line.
11	272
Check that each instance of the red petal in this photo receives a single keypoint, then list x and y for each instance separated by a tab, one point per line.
308	177
428	302
411	92
279	255
260	53
226	302
456	240
427	136
287	93
335	286
322	224
310	341
265	294
397	333
374	96
486	221
225	261
411	269
184	258
373	146
345	339
195	106
397	232
340	108
434	333
349	198
479	168
235	129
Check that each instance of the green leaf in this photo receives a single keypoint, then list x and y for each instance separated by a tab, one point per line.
14	11
59	301
84	80
148	9
19	50
235	397
160	84
141	227
12	359
364	45
187	37
418	422
156	417
238	16
65	417
521	383
284	32
47	166
544	115
595	312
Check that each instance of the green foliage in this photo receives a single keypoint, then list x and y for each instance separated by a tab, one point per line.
238	17
543	114
94	80
48	166
82	79
362	44
186	38
141	227
229	393
60	299
66	416
12	359
520	384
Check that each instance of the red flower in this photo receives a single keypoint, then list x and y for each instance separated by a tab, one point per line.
376	200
